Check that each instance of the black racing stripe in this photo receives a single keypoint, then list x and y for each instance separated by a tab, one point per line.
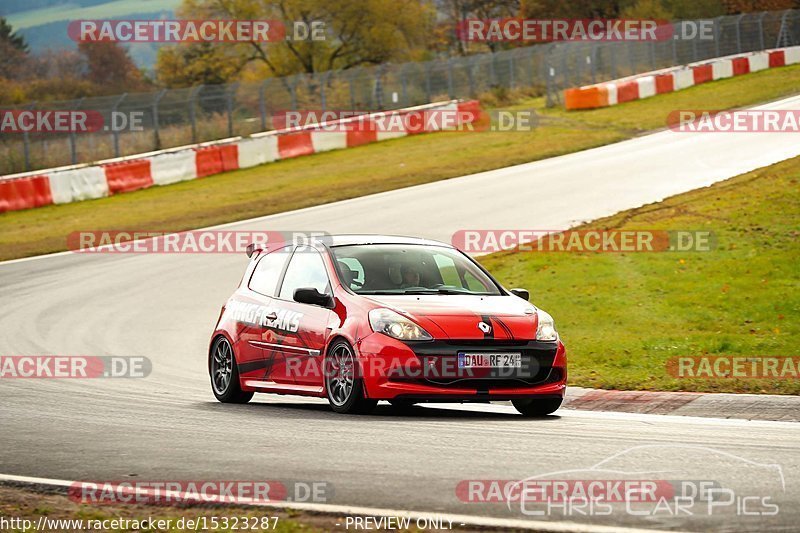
250	366
487	319
505	327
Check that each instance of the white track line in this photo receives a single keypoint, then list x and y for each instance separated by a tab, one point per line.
456	519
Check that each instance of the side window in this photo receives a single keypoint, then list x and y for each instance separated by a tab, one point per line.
473	284
268	270
306	269
447	269
355	272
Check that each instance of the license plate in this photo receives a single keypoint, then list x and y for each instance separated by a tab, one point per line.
489	360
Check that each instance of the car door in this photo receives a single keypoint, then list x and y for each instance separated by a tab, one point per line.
263	335
305	330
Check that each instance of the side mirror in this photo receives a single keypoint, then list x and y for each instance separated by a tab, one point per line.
522	293
311	296
251	250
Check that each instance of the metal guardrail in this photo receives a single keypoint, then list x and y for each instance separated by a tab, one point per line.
178	117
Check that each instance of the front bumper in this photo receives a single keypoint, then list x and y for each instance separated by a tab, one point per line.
428	371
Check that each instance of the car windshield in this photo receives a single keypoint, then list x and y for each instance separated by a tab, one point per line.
410	269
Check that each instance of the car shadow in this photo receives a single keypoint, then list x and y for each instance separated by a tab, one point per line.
321	410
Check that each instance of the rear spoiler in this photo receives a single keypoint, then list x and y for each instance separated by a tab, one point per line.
252	249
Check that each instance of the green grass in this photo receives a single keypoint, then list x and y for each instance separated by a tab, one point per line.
112	9
622	316
388	165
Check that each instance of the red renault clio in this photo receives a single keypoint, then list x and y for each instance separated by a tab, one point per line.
362	318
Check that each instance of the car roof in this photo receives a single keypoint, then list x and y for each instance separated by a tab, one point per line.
367	239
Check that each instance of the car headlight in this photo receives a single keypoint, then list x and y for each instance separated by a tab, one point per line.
546	331
396	326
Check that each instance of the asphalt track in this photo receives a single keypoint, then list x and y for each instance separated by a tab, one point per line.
168	426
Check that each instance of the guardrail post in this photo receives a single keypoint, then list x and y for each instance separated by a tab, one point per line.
114	131
262	104
156	136
192	109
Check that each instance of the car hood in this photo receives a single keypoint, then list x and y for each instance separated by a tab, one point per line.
458	316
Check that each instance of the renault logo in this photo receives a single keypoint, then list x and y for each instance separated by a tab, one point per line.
484	327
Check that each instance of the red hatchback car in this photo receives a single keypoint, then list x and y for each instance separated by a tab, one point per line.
362	318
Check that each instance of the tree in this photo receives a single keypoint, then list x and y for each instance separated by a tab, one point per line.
367	32
110	68
13	51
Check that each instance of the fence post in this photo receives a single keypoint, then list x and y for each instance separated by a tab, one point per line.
379	87
73	140
156	100
426	65
192	111
262	104
510	68
450	78
293	92
26	139
403	85
739	33
761	30
592	57
322	97
114	131
352	93
717	34
229	92
531	52
783	28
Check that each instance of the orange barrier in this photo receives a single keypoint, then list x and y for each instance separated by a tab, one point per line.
24	193
586	97
229	156
127	176
295	144
702	74
665	83
627	91
777	59
362	136
212	160
741	65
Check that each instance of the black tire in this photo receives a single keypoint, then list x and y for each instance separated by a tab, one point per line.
224	374
343	387
537	407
